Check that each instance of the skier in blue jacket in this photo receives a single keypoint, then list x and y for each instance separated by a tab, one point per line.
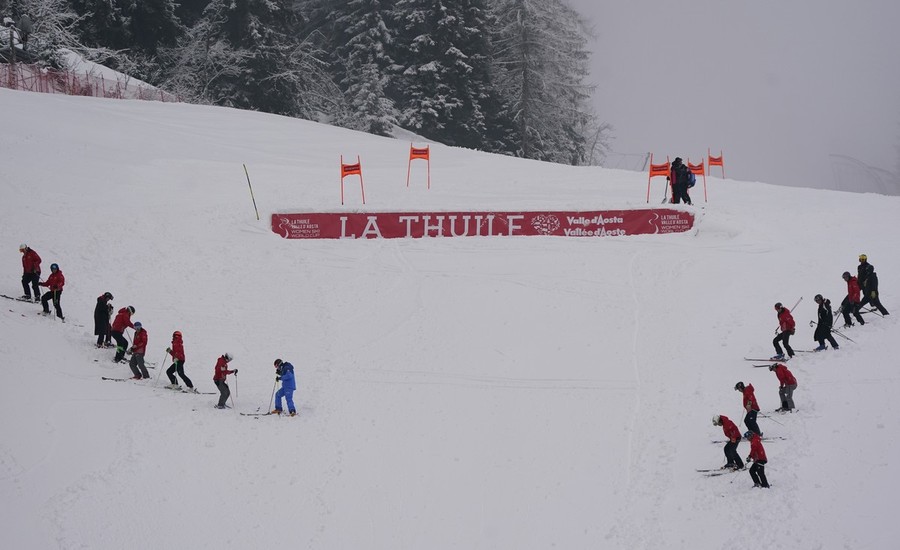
285	373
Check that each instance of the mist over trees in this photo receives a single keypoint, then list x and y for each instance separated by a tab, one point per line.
504	76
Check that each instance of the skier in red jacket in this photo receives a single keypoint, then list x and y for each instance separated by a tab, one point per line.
221	373
55	282
177	353
31	272
750	405
734	437
786	386
119	324
758	456
786	326
138	349
850	304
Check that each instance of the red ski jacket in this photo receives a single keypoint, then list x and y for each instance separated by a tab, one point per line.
750	403
55	281
853	290
31	262
222	369
785	377
122	320
757	452
731	431
786	321
140	342
178	349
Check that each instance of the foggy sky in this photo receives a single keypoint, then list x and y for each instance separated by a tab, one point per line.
777	85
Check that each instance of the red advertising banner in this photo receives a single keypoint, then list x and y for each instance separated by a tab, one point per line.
416	225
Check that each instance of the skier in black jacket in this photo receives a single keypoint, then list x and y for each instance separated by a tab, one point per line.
868	283
679	178
823	327
101	319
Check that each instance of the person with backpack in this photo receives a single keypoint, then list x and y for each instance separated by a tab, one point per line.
868	281
120	323
31	273
850	303
138	350
787	327
101	319
219	377
284	372
787	383
55	283
679	178
176	350
823	326
758	456
750	405
733	435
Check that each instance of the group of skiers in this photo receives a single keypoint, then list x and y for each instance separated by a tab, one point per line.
861	290
107	328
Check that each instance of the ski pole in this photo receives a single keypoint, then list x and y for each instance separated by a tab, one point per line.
842	335
161	365
233	406
772	419
272	399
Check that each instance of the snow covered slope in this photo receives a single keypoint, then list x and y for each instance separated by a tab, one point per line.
454	393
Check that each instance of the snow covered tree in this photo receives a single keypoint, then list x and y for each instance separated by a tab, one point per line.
541	61
361	34
101	23
445	82
153	23
244	53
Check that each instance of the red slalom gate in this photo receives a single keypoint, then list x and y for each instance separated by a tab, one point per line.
416	225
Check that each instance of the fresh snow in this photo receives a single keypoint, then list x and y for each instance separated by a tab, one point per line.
528	392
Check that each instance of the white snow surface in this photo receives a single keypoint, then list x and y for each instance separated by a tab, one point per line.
482	392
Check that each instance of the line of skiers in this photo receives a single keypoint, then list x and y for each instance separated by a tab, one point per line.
861	290
106	331
787	383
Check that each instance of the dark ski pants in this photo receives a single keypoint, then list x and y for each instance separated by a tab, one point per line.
786	393
847	308
680	194
750	422
137	365
178	366
121	345
32	280
876	303
224	392
784	337
288	396
758	473
54	295
731	454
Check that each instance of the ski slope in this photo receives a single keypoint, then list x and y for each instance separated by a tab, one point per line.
453	393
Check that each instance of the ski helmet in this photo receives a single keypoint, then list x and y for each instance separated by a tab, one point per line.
130	310
278	362
818	298
717	420
23	247
108	295
137	325
739	386
863	257
773	366
228	357
176	334
778	305
846	275
748	434
54	267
